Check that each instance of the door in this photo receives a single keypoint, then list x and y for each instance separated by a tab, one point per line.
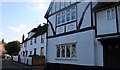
42	50
112	56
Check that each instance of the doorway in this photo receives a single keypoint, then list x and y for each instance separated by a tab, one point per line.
111	56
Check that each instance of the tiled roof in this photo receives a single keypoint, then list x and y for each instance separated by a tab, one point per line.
38	31
33	30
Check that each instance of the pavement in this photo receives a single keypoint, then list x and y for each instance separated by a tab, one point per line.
8	64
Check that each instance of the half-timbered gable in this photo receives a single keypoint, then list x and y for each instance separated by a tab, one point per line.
66	17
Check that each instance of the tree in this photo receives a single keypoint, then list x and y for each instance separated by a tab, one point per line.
12	48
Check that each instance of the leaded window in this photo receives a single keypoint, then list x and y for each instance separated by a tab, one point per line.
73	47
66	51
63	51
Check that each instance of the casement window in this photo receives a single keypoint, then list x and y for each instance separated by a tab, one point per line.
58	51
35	51
66	51
30	52
42	38
31	42
111	14
73	48
35	40
66	16
26	53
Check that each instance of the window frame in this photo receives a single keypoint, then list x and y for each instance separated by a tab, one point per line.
67	16
31	41
63	14
35	40
59	18
68	13
60	53
42	38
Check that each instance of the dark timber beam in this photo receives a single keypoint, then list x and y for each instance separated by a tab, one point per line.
83	14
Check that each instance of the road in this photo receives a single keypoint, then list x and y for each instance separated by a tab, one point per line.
8	64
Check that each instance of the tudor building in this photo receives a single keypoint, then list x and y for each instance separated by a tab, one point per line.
33	48
82	35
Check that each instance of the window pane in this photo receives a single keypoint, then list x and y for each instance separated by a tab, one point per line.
63	51
59	19
63	17
68	50
73	50
42	38
73	13
113	13
30	52
58	51
68	15
35	40
108	15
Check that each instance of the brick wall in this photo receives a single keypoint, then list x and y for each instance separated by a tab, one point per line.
38	60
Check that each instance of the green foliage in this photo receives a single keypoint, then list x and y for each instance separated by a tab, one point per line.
12	48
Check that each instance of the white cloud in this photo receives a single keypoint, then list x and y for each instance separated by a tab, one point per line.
38	5
22	28
17	29
1	33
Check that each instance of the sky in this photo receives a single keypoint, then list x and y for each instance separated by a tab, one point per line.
18	17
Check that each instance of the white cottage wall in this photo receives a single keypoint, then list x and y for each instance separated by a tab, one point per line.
85	44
